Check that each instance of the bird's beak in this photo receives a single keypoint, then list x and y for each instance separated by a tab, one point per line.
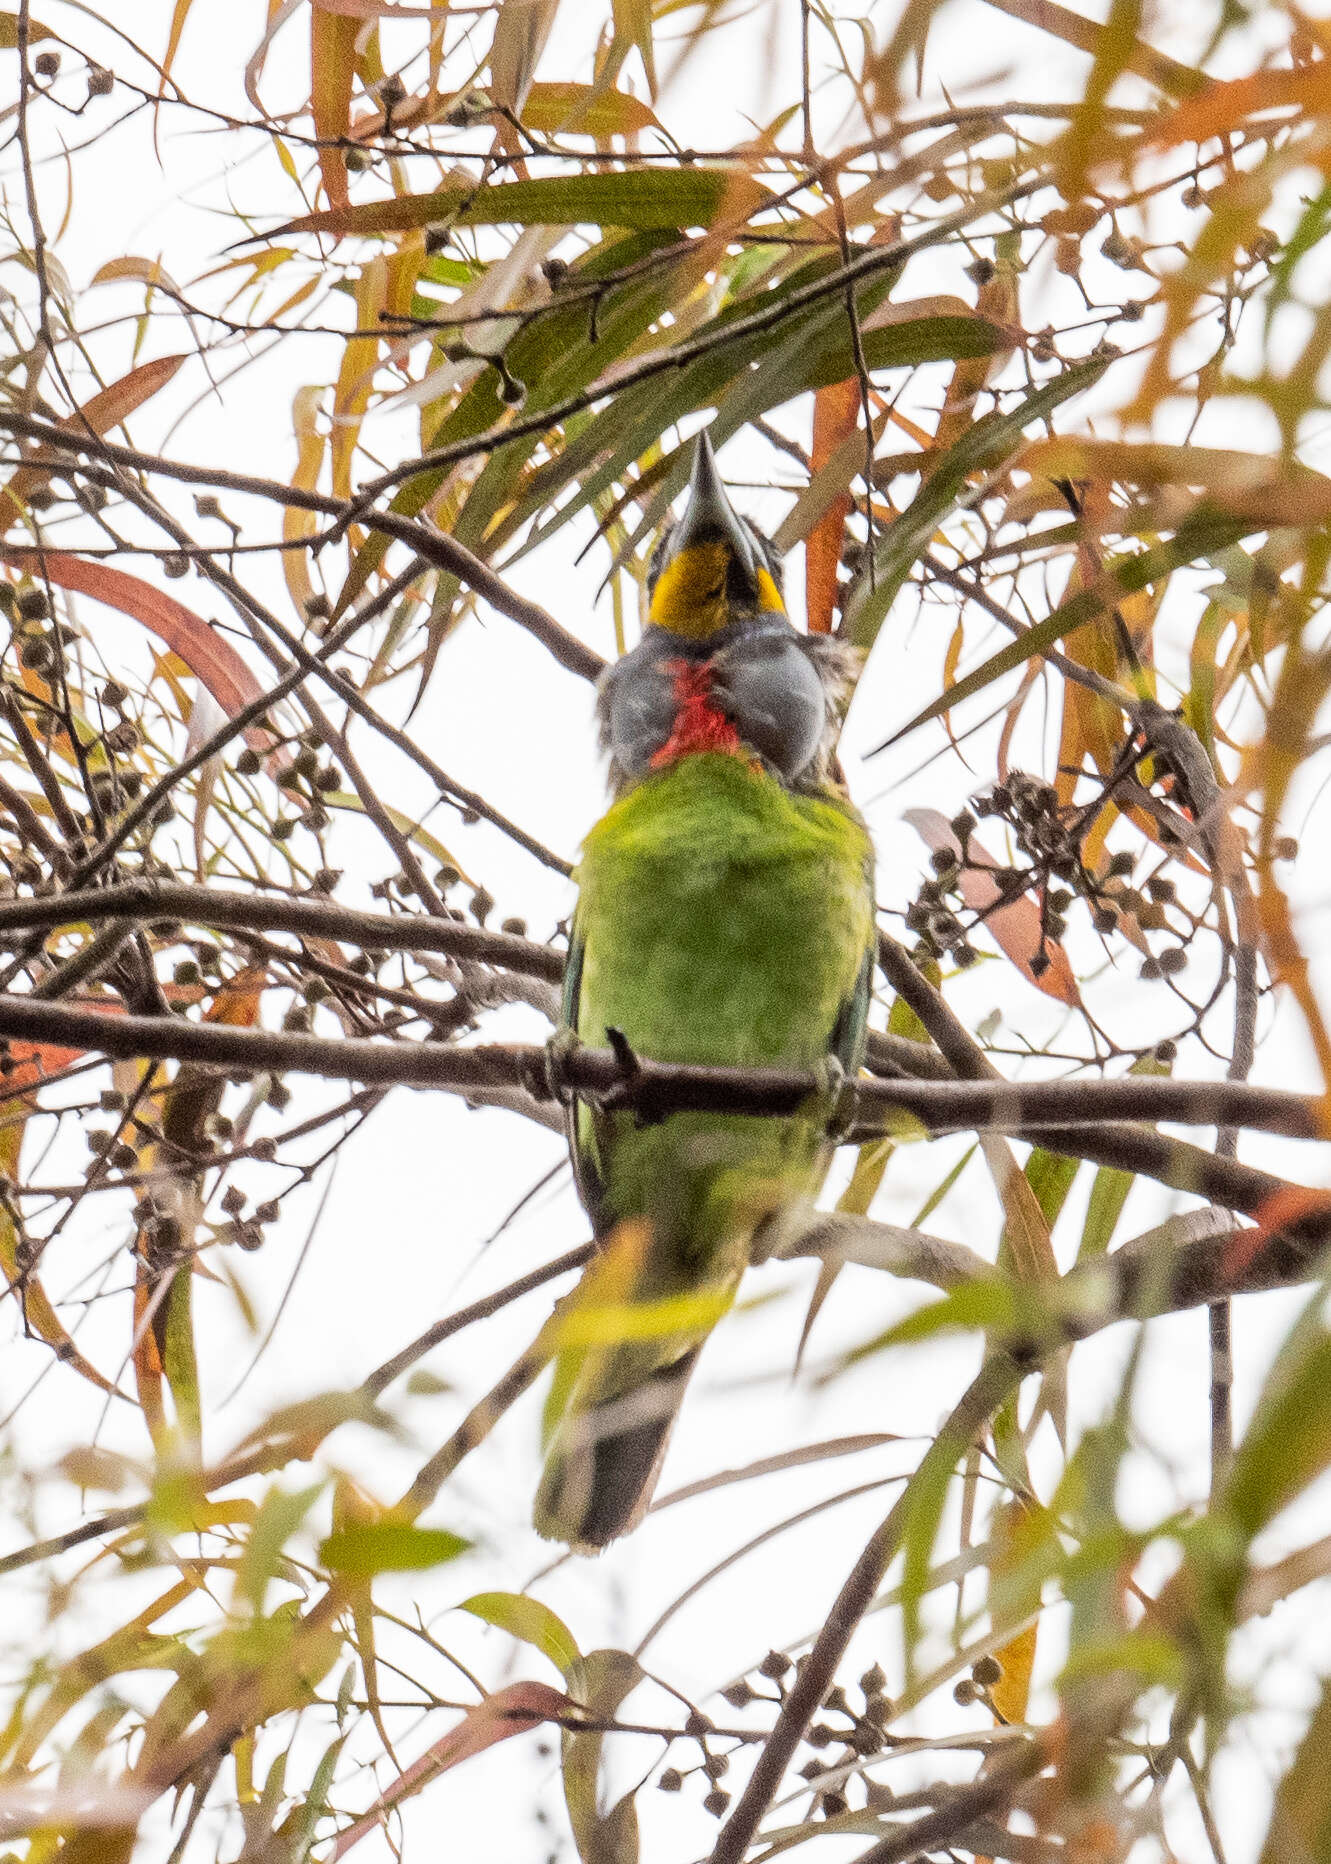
710	563
710	518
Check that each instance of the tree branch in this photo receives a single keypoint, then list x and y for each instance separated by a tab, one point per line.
1077	1117
436	547
260	912
656	1089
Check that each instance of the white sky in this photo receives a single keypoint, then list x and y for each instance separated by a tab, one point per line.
399	1242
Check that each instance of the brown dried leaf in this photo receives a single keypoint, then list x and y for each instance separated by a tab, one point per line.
510	1711
106	409
332	70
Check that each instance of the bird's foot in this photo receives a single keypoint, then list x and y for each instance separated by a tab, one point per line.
559	1051
837	1094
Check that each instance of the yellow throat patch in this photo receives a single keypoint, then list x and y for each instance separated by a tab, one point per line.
690	593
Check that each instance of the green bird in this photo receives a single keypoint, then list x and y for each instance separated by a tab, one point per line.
725	915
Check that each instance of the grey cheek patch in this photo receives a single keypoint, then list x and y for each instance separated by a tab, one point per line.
642	714
771	689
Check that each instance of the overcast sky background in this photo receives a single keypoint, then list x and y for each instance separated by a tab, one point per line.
401	1237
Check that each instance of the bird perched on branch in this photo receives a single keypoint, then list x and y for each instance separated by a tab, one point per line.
725	915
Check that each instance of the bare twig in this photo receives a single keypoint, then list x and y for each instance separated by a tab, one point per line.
996	1379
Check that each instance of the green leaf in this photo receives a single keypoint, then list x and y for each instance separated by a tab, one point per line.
980	449
992	1302
388	1547
600	1682
1109	1189
1109	1193
940	1190
1314	225
1198	536
280	1514
1050	1176
1288	1444
1153	1659
529	1620
638	197
1301	1818
616	1321
742	381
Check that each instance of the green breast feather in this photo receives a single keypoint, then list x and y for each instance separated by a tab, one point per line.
725	919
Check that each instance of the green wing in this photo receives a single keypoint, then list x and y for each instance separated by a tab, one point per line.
577	1115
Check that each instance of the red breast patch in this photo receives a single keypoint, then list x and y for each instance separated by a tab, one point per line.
699	724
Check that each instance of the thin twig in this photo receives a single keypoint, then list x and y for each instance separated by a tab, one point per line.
267	1456
995	1380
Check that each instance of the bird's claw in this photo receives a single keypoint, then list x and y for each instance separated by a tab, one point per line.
835	1090
559	1050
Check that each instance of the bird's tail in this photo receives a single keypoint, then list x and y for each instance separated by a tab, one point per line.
605	1459
627	1343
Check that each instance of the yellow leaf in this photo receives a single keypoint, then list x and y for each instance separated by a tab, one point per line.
332	68
296	523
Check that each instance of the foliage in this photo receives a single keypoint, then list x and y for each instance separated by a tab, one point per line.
504	289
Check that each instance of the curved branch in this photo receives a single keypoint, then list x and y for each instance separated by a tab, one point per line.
1081	1118
262	912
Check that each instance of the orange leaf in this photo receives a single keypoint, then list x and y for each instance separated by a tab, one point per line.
1221	107
236	1003
1293	1203
295	522
208	655
332	68
1012	716
1011	1692
355	377
836	411
1010	1695
510	1711
997	300
178	18
1015	926
107	408
951	661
